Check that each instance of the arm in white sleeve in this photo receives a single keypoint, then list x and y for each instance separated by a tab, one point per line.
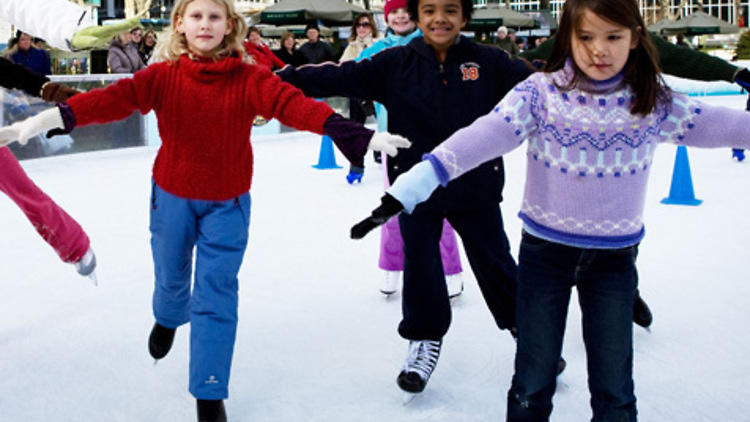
54	20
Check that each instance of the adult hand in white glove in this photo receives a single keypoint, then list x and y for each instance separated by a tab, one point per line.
388	143
25	129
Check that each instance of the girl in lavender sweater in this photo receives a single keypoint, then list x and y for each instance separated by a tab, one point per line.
592	122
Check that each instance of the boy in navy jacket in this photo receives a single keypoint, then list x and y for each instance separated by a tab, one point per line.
432	87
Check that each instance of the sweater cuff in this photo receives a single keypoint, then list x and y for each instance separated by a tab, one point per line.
440	170
415	186
68	118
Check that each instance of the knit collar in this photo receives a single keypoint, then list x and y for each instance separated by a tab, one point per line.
206	69
587	84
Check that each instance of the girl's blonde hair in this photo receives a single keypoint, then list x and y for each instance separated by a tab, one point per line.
175	43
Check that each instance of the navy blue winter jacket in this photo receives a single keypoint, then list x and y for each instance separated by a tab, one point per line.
426	101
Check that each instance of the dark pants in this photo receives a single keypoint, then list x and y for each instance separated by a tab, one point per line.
425	304
604	279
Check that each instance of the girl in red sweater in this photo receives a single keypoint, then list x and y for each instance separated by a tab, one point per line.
205	94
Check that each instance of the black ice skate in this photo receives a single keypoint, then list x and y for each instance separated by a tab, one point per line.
211	411
420	362
160	340
641	313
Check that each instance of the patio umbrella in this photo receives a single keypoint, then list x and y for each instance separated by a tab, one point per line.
699	23
490	17
656	27
330	12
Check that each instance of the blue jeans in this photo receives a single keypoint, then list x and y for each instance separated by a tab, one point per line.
604	279
218	232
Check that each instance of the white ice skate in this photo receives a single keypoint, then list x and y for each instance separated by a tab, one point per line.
391	282
86	266
455	283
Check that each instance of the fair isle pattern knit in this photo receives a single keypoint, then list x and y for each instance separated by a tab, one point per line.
588	157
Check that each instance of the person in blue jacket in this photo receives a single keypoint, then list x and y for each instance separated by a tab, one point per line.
26	54
433	86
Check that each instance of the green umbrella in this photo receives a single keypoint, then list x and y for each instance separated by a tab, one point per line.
490	17
699	23
330	12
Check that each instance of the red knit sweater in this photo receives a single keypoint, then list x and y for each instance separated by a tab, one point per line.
205	111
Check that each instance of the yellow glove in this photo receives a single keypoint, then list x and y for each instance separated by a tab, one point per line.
100	36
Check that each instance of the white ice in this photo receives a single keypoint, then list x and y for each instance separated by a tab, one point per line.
316	340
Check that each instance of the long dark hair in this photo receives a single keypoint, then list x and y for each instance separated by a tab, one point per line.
641	70
373	28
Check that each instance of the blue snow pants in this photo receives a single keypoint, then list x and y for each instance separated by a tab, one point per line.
218	231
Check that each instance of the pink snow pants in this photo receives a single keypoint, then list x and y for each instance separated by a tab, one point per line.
392	244
55	226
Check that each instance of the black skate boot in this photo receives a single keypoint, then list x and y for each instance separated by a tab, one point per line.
211	411
641	313
160	340
561	364
420	362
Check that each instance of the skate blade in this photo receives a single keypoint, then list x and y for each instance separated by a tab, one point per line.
156	361
408	397
93	278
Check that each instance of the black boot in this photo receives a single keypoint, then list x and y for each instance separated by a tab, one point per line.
641	313
160	340
211	411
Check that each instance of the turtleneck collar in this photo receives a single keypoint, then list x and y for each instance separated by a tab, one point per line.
208	69
585	83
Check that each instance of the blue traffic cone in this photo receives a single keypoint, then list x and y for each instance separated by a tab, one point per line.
326	159
681	191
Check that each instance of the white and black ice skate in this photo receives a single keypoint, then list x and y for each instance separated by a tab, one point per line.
391	282
455	284
420	362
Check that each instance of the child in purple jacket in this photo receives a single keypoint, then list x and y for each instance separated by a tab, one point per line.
591	122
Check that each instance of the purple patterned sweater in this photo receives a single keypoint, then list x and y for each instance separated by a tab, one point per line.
588	157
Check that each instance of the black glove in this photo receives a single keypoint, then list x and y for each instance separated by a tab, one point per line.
742	78
389	206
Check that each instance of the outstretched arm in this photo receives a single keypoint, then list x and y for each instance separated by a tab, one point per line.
364	79
674	60
19	77
62	24
290	106
492	135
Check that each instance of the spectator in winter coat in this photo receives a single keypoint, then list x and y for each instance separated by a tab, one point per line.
314	50
26	54
505	42
288	52
255	48
146	46
123	55
363	35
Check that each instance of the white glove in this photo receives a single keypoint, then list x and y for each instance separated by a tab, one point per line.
25	129
386	142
